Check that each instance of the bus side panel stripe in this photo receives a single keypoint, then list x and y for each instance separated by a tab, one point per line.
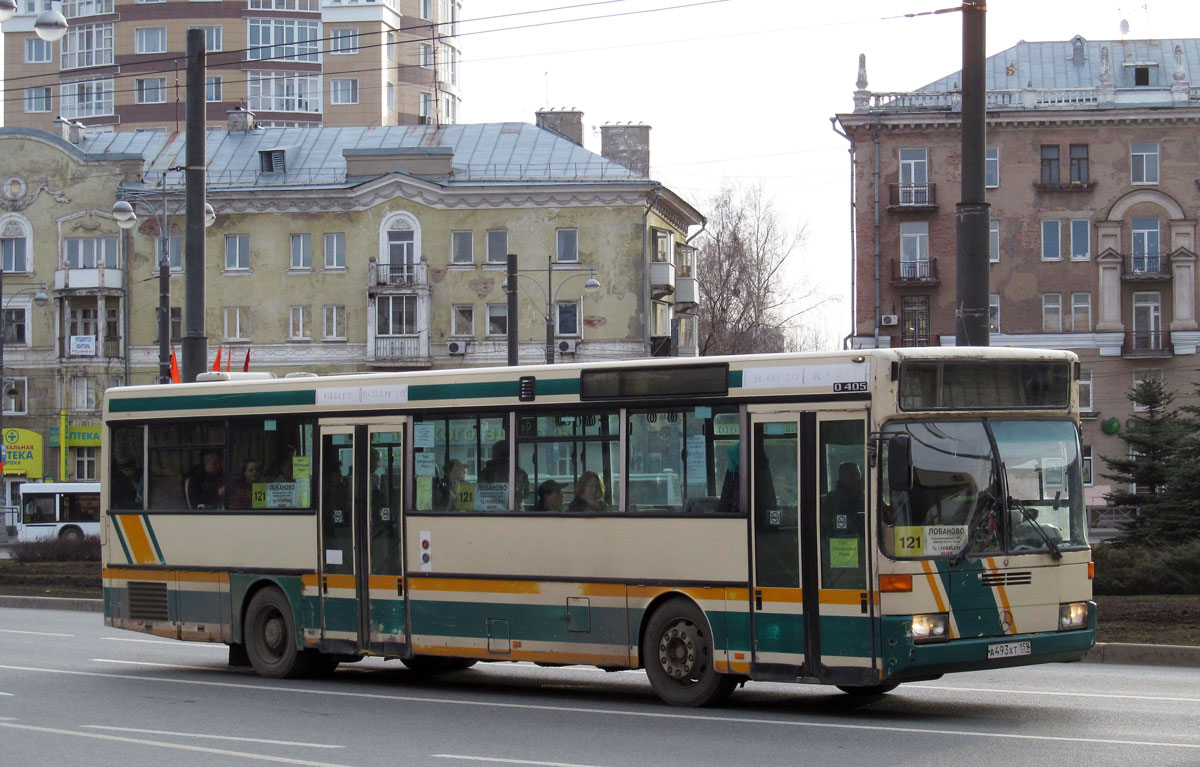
116	523
153	538
136	533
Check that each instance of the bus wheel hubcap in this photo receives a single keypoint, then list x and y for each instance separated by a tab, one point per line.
273	633
677	649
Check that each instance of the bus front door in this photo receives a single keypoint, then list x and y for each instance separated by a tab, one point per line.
362	583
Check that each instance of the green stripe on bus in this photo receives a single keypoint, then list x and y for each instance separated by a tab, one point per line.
121	537
214	401
153	538
735	379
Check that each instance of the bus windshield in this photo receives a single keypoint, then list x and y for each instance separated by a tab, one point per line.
984	487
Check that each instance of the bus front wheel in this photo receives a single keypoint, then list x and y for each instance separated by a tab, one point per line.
678	652
270	634
71	534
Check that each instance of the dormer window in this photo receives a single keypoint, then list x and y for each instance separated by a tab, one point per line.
1141	75
272	160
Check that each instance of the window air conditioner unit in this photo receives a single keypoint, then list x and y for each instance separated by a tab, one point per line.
568	345
889	319
456	347
425	119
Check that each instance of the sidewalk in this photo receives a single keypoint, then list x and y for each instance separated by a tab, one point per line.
1111	652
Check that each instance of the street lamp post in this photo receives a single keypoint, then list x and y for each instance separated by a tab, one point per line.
51	25
41	299
550	293
126	218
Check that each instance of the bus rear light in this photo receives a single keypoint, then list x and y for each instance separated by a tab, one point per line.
895	583
1091	571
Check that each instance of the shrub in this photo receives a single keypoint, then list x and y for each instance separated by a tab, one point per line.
1138	569
58	550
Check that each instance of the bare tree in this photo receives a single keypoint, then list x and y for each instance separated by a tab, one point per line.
747	304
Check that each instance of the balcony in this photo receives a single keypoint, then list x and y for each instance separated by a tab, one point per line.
405	351
914	273
403	277
1070	186
687	293
914	196
919	339
662	278
1147	344
89	280
1146	267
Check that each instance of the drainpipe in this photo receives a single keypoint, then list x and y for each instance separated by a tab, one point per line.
646	272
853	243
877	276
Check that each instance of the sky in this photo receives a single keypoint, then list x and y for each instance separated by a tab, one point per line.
742	91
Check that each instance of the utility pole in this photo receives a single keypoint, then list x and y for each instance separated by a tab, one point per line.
195	342
512	310
971	320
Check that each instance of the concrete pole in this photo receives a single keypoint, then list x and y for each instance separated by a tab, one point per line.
512	310
195	342
971	326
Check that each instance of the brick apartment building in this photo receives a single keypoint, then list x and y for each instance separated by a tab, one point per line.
1093	181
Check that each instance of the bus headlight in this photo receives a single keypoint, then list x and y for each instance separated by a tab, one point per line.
1072	615
931	627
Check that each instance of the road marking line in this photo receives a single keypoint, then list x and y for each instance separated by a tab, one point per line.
147	663
9	694
35	633
591	712
175	746
170	643
497	760
206	735
1041	693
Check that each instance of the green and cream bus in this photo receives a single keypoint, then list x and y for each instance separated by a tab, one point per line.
859	519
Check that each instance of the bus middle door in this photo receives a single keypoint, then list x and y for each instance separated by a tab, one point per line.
385	603
341	627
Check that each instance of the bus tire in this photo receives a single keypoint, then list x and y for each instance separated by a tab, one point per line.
435	664
870	690
677	650
270	635
72	534
322	664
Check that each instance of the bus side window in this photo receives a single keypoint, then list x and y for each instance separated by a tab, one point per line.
684	460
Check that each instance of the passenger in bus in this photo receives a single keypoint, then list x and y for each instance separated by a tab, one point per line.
445	492
496	470
589	493
549	496
205	485
283	470
844	504
243	488
126	480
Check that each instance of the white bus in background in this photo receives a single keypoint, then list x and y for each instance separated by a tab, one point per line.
68	510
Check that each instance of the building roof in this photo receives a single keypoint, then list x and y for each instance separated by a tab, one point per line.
487	153
1053	64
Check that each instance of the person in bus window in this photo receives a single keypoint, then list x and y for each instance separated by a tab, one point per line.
446	491
205	486
589	493
549	496
243	489
125	480
496	470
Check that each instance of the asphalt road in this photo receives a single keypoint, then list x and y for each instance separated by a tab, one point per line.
73	692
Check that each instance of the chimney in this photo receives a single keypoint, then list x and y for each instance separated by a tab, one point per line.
69	131
628	145
567	123
240	120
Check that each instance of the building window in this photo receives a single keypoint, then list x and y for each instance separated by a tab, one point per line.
914	250
994	312
343	91
567	315
391	96
176	323
497	319
83	393
1081	240
87	45
994	241
335	323
335	250
1079	164
462	247
1051	312
237	251
391	46
284	40
86	98
425	56
660	246
13	250
1051	240
1085	390
38	51
425	9
1087	464
991	167
39	99
1144	158
1081	312
85	460
301	251
462	320
1146	255
271	91
237	323
88	252
425	106
150	40
914	321
14	396
497	246
284	5
298	322
660	319
914	166
14	326
568	245
213	90
1140	376
175	253
212	38
1147	322
396	316
1050	173
150	90
73	9
344	40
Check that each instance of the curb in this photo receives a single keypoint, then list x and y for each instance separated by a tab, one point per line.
54	603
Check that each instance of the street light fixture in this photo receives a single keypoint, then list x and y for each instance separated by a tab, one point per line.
123	212
51	25
8	387
8	9
550	293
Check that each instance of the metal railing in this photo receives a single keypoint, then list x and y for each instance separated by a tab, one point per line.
1153	265
918	339
1148	343
397	347
916	194
914	271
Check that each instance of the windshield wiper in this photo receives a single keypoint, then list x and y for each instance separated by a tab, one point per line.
1013	503
973	538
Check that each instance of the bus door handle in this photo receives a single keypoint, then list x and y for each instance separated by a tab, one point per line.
758	599
399	587
324	584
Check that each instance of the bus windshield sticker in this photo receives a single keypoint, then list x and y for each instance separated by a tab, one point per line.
423	435
491	496
932	541
424	464
301	466
804	376
333	556
843	552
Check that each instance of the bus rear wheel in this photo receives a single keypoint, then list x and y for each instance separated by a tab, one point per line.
270	634
435	664
678	652
71	534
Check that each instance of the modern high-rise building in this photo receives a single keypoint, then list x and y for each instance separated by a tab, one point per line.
122	63
1092	156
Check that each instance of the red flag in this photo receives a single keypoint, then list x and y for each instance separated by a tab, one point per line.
246	364
217	363
174	368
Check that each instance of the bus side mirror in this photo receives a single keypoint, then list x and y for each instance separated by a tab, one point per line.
900	463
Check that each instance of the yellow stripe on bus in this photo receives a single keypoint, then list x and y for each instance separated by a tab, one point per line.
480	586
1012	629
139	541
935	587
